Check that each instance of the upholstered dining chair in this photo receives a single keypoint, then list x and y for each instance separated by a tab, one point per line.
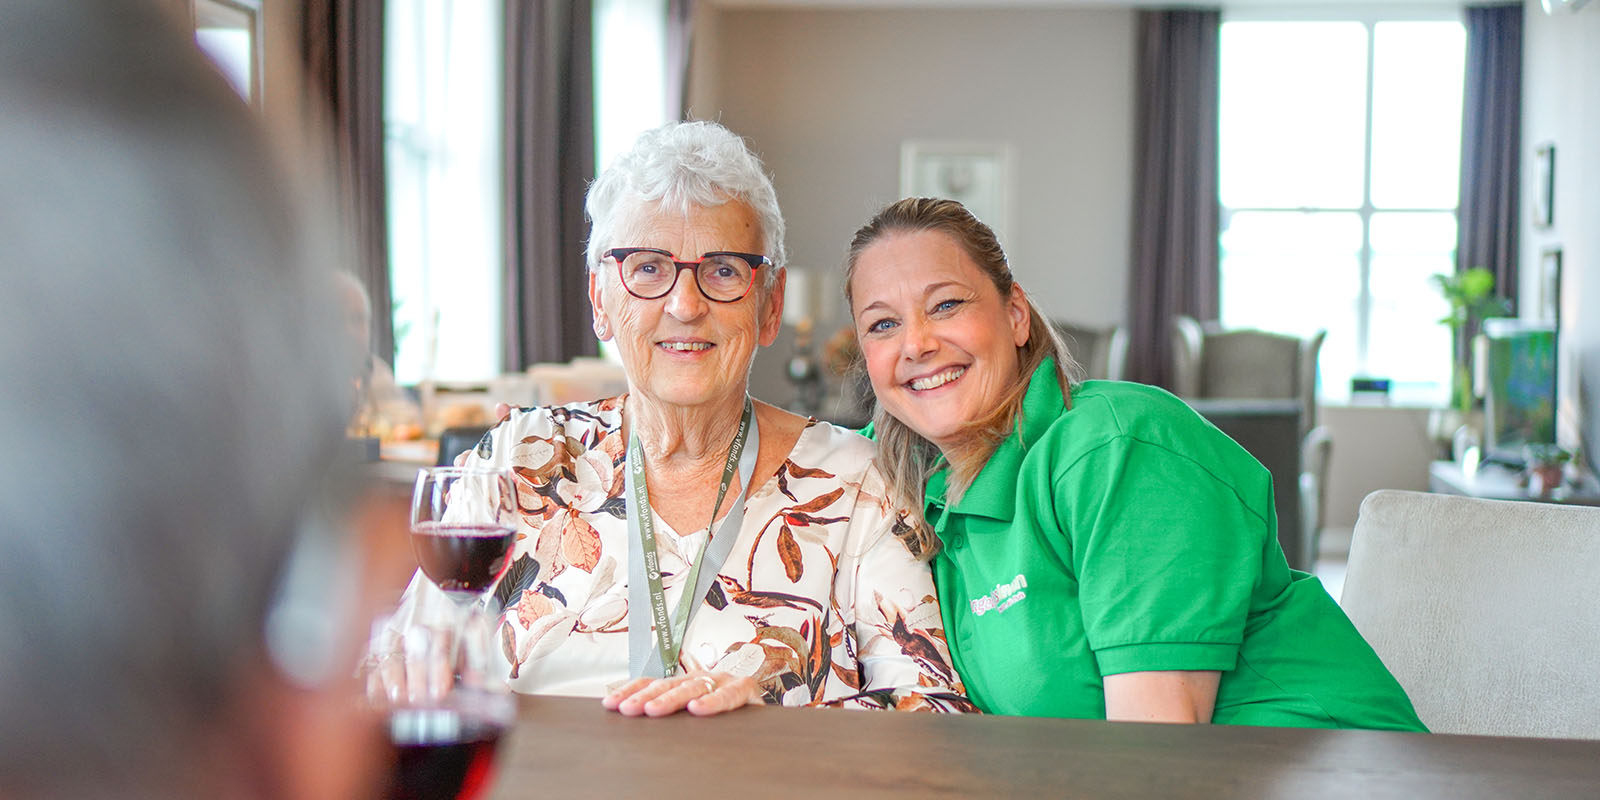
1483	609
457	440
1316	454
1099	350
1252	363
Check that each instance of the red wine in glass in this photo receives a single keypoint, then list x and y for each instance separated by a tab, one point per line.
462	557
441	754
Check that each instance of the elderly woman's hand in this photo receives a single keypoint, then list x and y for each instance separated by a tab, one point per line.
703	693
410	666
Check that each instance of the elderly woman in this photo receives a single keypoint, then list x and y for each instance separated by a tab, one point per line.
1103	551
778	567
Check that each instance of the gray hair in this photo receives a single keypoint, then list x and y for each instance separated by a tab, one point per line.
169	401
684	164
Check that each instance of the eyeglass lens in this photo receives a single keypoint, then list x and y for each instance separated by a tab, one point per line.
721	277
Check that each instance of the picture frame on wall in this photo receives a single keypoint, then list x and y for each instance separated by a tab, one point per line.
977	174
1544	186
1550	286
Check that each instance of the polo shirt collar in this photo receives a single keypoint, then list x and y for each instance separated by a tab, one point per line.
994	493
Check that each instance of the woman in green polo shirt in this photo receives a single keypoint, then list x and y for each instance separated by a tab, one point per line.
1100	549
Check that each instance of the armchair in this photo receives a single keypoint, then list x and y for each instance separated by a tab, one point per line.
1482	609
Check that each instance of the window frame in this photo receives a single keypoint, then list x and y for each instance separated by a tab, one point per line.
1369	17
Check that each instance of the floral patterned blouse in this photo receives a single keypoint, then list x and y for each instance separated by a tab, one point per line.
819	600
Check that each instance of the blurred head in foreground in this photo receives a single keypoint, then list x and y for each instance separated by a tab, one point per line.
169	406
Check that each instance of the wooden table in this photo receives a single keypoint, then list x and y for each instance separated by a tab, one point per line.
571	747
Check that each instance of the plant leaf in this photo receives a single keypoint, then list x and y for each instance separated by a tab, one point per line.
806	472
522	574
818	503
789	553
580	543
508	645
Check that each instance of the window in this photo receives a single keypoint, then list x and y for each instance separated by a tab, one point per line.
629	92
442	128
229	32
1340	151
629	73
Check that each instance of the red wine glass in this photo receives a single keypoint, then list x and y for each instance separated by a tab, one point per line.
444	706
463	528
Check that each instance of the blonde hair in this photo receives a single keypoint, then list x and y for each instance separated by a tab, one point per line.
905	457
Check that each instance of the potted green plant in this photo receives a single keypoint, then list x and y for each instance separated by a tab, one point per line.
1471	296
1546	468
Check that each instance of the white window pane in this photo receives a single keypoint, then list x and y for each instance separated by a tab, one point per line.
230	49
442	122
1418	70
1408	344
1414	233
1293	114
1296	273
629	73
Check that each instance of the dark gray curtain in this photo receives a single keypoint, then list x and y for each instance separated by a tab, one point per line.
1491	148
549	160
342	46
1175	204
680	43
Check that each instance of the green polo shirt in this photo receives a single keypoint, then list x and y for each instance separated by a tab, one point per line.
1126	535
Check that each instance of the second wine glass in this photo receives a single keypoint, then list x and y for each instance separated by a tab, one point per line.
463	528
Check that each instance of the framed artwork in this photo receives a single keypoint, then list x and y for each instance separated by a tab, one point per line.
1544	186
230	32
975	174
1550	286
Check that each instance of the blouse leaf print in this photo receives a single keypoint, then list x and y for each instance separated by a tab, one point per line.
817	601
789	552
580	544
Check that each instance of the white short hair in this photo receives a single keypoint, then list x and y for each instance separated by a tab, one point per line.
684	164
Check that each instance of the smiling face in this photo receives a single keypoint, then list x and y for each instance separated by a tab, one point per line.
940	342
683	349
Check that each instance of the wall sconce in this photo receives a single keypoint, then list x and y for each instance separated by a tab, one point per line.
803	369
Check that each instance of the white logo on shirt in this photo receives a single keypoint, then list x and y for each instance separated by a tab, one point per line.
1004	596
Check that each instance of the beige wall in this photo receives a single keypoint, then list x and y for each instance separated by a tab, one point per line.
281	81
1374	447
1561	105
827	97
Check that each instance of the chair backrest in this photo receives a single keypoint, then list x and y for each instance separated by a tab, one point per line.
1483	609
1092	347
458	440
1188	337
1259	364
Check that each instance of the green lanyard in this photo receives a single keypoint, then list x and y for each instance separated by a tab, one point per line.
644	570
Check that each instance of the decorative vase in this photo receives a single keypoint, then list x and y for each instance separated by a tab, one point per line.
1452	431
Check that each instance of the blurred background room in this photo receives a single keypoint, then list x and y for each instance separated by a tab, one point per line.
1293	214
